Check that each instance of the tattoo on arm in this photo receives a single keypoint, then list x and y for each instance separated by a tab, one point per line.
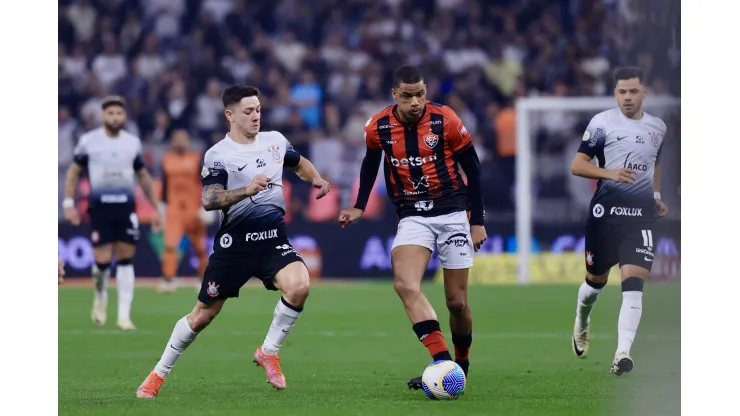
216	197
145	180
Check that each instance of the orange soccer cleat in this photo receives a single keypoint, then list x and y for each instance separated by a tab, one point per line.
150	387
271	364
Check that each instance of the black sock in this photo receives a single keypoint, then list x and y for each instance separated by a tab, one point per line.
431	336
462	350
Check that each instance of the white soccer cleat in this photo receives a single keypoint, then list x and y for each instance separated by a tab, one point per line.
622	364
99	312
580	340
126	325
167	286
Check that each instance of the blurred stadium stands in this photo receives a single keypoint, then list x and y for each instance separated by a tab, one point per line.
324	66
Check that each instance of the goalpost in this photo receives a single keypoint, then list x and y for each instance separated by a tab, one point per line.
525	157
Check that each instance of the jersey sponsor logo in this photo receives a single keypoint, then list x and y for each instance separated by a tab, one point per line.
423	181
424	205
212	290
433	122
261	163
598	211
639	140
413	161
262	235
645	252
226	241
431	140
114	198
626	212
640	167
458	240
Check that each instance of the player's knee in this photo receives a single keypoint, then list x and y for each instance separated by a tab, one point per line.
297	292
199	319
406	289
456	305
597	279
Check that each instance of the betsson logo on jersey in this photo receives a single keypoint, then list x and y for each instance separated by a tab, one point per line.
413	161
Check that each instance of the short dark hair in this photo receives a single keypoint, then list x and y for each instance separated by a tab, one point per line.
113	100
629	72
235	93
406	74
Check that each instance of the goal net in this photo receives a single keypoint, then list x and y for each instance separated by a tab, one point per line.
551	205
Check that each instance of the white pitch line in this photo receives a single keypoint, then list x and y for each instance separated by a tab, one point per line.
357	334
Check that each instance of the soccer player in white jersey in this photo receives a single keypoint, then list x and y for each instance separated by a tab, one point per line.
627	142
112	158
242	178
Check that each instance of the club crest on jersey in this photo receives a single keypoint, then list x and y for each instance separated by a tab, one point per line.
431	140
275	151
654	139
212	290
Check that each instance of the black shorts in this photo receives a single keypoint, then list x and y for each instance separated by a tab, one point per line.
234	261
113	223
608	244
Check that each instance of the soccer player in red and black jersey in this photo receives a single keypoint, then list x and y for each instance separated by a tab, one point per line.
423	144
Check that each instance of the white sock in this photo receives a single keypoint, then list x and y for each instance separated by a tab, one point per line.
629	320
181	337
125	286
587	297
282	323
100	278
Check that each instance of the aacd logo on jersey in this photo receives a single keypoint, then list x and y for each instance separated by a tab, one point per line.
262	235
626	212
637	166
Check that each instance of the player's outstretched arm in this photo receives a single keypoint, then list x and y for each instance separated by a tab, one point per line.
308	173
368	174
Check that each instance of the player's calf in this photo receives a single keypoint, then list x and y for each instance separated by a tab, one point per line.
630	313
101	275
293	280
461	317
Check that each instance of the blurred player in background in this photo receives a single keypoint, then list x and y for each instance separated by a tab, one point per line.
626	142
423	144
243	178
181	193
112	157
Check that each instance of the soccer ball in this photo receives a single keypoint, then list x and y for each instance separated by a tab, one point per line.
443	380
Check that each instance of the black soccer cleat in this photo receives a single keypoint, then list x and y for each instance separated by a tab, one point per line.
415	383
464	364
622	364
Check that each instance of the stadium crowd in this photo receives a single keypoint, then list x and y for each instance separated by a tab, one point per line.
324	67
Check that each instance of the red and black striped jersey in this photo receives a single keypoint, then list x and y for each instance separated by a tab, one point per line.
421	170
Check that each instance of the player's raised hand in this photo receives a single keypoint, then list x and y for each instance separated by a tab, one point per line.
322	184
478	233
348	216
71	215
259	183
623	175
661	208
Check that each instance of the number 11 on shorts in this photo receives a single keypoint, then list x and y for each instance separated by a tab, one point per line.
647	238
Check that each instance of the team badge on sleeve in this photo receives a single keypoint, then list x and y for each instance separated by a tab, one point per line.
204	172
586	136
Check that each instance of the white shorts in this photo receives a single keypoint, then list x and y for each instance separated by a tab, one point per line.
451	233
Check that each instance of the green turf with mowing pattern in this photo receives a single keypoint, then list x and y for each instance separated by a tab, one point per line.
353	350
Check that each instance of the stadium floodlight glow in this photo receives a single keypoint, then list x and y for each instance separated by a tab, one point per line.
525	156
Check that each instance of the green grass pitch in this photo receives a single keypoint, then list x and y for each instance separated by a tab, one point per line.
353	350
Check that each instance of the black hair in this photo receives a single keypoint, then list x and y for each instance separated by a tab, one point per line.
113	100
406	74
235	93
629	72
